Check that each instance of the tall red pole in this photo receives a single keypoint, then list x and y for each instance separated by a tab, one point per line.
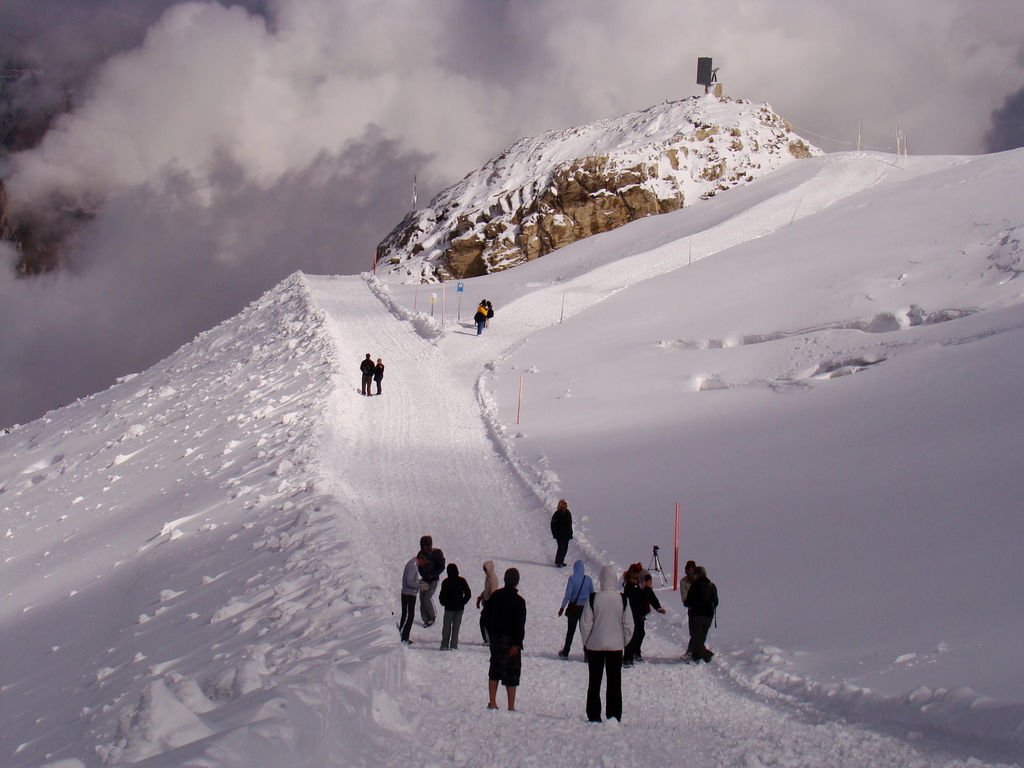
675	565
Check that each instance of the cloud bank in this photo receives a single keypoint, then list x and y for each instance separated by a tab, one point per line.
222	146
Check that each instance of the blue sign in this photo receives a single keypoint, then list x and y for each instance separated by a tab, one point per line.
461	288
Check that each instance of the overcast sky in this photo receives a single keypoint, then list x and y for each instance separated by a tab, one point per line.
225	146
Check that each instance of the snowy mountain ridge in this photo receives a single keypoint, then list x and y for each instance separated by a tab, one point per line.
547	191
204	560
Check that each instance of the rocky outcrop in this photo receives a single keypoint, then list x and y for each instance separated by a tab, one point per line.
549	191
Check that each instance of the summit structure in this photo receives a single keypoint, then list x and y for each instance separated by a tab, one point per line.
545	192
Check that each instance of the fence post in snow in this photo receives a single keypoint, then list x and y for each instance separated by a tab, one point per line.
519	408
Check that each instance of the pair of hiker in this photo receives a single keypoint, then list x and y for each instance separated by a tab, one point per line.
372	372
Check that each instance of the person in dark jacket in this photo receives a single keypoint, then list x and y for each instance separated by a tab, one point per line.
367	367
378	373
561	531
506	625
641	598
430	572
454	595
701	604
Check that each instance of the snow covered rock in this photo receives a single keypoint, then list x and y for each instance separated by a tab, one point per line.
546	192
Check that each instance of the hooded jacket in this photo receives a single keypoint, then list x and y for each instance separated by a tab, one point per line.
455	592
490	581
579	586
607	622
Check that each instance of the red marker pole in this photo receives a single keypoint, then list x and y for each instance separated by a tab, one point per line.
675	565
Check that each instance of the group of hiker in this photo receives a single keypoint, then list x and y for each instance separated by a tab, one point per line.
610	619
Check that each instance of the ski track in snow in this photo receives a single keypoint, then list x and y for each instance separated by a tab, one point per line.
462	489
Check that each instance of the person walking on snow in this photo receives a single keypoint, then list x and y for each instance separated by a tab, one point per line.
506	625
378	373
578	589
367	367
480	318
606	626
430	572
701	605
411	586
490	585
561	531
455	593
640	602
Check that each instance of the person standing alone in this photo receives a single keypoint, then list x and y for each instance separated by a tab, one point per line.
367	367
561	531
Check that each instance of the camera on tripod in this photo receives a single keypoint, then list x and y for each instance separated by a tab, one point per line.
655	566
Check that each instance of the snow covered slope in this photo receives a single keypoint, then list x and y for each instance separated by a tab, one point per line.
201	564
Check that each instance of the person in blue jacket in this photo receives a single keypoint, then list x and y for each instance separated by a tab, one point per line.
578	589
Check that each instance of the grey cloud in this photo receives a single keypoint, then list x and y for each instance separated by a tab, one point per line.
158	267
267	120
1007	131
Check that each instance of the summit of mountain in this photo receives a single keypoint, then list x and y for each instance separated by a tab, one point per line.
550	190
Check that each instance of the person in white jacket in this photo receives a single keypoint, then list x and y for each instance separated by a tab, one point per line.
606	627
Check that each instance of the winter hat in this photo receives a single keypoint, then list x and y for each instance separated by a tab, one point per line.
511	577
426	542
453	569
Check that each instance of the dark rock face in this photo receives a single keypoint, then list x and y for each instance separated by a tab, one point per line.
546	192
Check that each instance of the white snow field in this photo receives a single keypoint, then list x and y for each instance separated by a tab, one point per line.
201	565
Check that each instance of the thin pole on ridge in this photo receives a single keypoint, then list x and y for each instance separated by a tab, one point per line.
675	564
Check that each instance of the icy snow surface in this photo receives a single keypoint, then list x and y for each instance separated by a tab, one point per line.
201	565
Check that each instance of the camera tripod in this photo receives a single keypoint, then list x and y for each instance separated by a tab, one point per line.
655	566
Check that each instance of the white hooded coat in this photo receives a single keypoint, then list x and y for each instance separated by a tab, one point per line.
608	625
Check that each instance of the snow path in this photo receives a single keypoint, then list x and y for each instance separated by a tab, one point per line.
419	460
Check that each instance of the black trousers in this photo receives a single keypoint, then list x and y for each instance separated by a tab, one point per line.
599	662
561	549
408	614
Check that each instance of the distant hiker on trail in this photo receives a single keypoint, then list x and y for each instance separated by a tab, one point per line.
640	602
606	627
378	373
506	625
561	531
367	367
687	580
430	572
490	585
480	318
411	586
701	604
455	593
490	313
578	589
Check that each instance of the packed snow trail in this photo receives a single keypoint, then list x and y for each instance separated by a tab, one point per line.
419	459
